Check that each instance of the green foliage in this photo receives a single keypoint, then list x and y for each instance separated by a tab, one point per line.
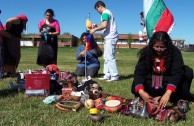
66	33
17	110
129	39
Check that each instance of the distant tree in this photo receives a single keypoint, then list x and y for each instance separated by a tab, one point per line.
129	39
66	33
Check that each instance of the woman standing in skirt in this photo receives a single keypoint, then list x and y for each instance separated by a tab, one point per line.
11	42
49	28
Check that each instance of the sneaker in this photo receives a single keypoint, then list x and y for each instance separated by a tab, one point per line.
113	79
104	78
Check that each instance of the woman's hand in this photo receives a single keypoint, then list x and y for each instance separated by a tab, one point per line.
164	100
145	96
92	31
81	54
94	25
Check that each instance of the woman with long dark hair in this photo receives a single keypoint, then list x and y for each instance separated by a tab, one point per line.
160	71
89	64
49	28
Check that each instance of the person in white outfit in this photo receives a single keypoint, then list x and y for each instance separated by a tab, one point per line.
109	28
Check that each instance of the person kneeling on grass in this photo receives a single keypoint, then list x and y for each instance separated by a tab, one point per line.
91	61
160	71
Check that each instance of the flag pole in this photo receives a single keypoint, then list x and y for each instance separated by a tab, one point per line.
86	52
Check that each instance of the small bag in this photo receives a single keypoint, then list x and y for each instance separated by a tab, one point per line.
152	106
168	113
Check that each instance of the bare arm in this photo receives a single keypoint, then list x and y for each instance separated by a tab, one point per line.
99	27
81	54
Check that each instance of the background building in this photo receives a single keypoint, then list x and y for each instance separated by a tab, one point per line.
63	40
125	41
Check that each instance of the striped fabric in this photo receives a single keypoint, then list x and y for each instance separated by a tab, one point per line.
89	36
157	17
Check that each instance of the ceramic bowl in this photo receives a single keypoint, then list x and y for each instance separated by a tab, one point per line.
113	106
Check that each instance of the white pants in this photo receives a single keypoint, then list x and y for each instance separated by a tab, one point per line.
110	66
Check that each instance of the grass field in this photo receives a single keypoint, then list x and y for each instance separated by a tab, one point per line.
16	110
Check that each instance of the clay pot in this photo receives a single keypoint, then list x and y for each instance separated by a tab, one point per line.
113	106
96	117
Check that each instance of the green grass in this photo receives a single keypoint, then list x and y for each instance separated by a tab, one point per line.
17	110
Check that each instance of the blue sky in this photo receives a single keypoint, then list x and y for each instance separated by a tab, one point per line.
72	14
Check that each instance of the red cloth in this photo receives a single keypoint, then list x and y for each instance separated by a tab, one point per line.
162	68
23	17
52	67
137	88
173	89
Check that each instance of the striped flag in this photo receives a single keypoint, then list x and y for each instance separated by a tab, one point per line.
89	36
157	17
90	42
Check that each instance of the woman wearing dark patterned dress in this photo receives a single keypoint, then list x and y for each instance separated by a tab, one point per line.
48	30
160	71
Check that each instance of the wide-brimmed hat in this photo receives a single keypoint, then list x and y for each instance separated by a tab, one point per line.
23	17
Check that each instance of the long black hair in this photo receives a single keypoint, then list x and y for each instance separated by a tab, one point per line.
149	53
50	11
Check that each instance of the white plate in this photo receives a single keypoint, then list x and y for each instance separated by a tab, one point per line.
112	103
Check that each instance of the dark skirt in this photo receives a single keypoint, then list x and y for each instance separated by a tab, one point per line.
47	54
11	46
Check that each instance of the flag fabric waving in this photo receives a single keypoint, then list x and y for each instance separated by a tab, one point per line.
157	17
90	42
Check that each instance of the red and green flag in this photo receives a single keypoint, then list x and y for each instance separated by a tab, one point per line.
157	17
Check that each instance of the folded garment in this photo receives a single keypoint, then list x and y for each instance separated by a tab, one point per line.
19	86
50	99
